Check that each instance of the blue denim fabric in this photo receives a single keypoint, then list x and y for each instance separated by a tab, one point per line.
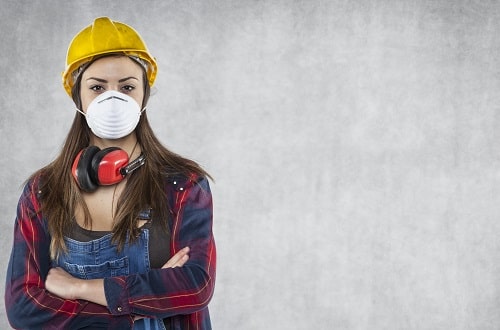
100	258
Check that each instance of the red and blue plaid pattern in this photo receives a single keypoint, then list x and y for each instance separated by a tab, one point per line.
181	293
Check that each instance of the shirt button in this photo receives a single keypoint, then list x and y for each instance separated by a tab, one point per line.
119	308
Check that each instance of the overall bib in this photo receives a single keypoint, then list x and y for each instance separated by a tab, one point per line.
99	258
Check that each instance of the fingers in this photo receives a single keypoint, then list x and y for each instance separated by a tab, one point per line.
178	259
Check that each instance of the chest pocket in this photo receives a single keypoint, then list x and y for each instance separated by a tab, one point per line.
109	268
100	258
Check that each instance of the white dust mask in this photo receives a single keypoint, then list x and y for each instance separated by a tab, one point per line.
112	115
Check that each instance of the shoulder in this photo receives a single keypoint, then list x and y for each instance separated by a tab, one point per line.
31	189
182	182
188	192
29	209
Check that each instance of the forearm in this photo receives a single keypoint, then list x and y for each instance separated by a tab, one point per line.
62	284
93	291
30	305
36	308
162	292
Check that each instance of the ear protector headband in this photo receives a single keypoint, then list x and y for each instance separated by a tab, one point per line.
94	167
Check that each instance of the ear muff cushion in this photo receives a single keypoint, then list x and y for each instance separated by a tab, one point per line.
106	166
82	169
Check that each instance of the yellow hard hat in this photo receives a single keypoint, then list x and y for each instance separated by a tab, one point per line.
105	36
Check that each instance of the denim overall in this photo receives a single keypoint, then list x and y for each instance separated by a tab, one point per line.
99	258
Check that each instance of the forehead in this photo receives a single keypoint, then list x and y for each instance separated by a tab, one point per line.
114	67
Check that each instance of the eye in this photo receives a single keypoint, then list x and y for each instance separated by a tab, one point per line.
128	88
97	88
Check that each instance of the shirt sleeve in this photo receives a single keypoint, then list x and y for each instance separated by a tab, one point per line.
28	304
181	290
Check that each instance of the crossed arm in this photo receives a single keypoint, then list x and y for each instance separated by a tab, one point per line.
36	295
62	284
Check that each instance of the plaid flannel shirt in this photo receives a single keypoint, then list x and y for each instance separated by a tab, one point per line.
181	294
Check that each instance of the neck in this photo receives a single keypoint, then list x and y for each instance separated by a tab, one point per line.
128	143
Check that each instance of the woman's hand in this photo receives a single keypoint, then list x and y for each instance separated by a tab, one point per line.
178	259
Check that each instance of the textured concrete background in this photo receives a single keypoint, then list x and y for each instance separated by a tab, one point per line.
354	146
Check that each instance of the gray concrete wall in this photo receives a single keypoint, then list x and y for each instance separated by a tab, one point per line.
354	146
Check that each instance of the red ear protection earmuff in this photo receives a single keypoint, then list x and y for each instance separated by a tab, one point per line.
94	167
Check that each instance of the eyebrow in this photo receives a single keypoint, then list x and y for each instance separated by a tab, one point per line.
105	81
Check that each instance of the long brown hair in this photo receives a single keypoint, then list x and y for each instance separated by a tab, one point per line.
145	188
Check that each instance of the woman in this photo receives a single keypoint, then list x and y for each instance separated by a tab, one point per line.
116	232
